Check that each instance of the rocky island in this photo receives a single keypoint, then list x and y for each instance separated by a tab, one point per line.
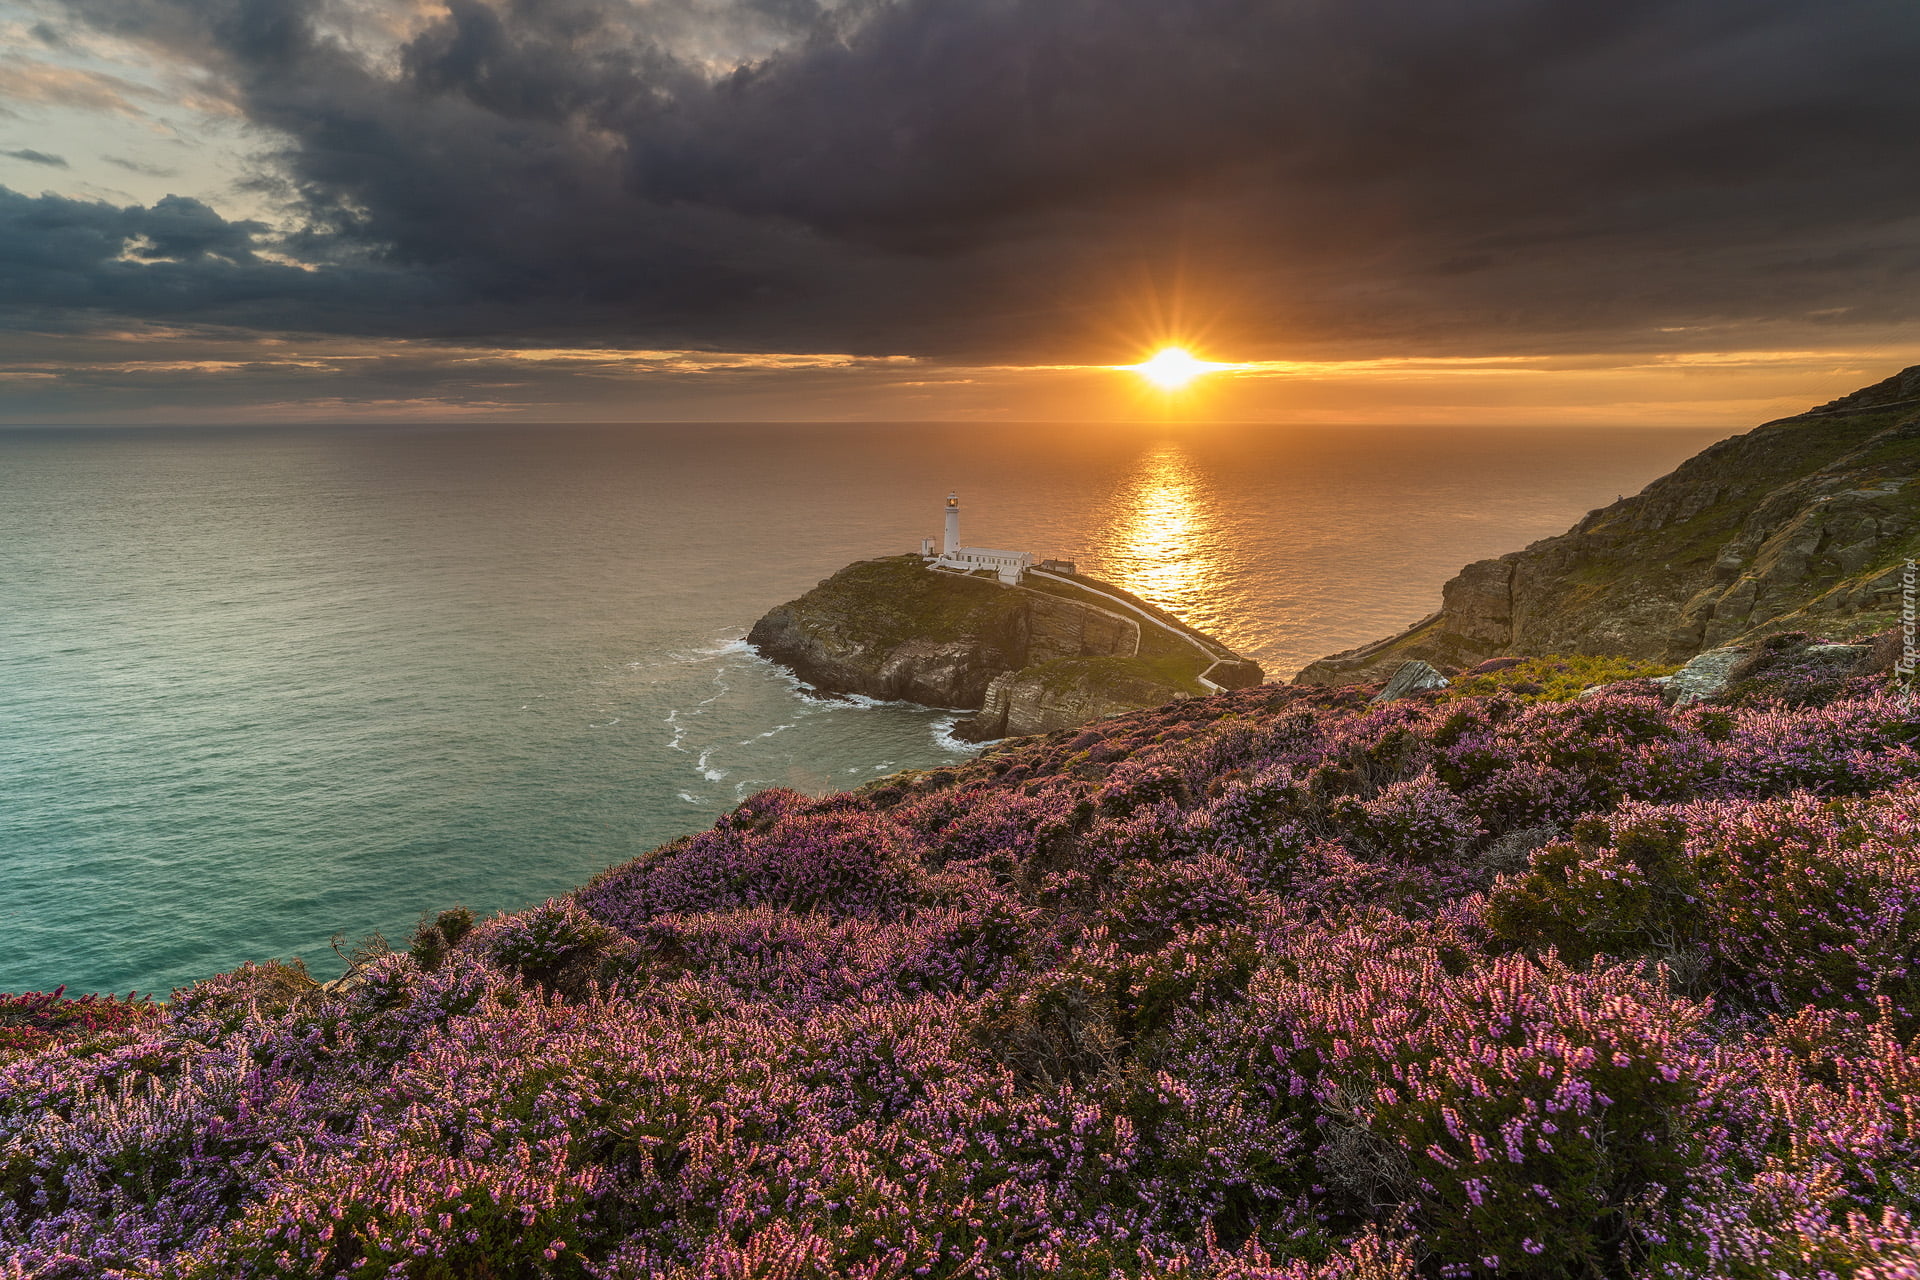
1055	651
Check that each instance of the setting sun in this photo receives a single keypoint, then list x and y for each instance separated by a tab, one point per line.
1172	368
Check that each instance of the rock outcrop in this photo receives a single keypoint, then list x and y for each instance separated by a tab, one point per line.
1803	523
1704	677
1414	676
1030	659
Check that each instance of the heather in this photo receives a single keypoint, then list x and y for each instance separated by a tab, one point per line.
1275	983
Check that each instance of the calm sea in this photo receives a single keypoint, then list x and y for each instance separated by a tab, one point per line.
258	687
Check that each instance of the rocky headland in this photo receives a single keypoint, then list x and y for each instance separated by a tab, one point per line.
1055	652
1802	524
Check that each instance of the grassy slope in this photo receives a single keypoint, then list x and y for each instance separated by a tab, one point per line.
1764	459
1151	641
884	603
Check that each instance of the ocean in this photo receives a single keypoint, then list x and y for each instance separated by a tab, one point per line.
263	686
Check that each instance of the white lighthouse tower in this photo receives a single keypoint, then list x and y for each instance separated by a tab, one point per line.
952	544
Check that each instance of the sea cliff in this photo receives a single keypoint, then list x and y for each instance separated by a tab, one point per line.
1799	524
1057	651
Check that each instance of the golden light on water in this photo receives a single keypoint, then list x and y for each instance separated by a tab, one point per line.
1160	539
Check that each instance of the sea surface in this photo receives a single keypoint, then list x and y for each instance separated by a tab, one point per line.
263	686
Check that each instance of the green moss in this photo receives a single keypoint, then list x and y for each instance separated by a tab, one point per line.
1557	678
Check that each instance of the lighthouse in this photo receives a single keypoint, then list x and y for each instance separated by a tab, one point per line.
1008	566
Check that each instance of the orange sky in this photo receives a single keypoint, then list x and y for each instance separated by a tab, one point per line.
162	375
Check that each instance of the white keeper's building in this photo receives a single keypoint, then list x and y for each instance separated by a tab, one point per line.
1011	566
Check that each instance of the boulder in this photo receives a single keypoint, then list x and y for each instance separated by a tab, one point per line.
1792	669
1838	655
1492	665
1411	678
1236	673
1703	677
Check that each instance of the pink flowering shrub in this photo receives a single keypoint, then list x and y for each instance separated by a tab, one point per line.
1534	1118
1817	902
1551	762
1272	985
1840	748
396	1207
1156	900
1799	901
1265	821
254	989
1417	819
779	849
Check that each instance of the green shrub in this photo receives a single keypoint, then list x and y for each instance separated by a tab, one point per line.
1622	886
556	945
438	935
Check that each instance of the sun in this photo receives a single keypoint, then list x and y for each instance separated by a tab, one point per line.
1172	368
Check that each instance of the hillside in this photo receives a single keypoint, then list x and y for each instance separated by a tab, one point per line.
1270	984
1802	523
1055	652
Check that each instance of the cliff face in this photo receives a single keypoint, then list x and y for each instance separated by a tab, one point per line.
1030	659
1067	693
1801	523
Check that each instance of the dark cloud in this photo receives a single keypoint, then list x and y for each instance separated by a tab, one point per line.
64	263
1013	178
36	157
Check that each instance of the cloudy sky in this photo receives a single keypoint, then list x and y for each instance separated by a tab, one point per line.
1677	211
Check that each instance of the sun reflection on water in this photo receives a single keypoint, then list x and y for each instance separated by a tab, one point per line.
1160	539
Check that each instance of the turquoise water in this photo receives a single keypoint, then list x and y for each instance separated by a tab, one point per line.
262	686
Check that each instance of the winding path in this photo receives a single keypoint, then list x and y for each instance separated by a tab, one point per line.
1213	658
